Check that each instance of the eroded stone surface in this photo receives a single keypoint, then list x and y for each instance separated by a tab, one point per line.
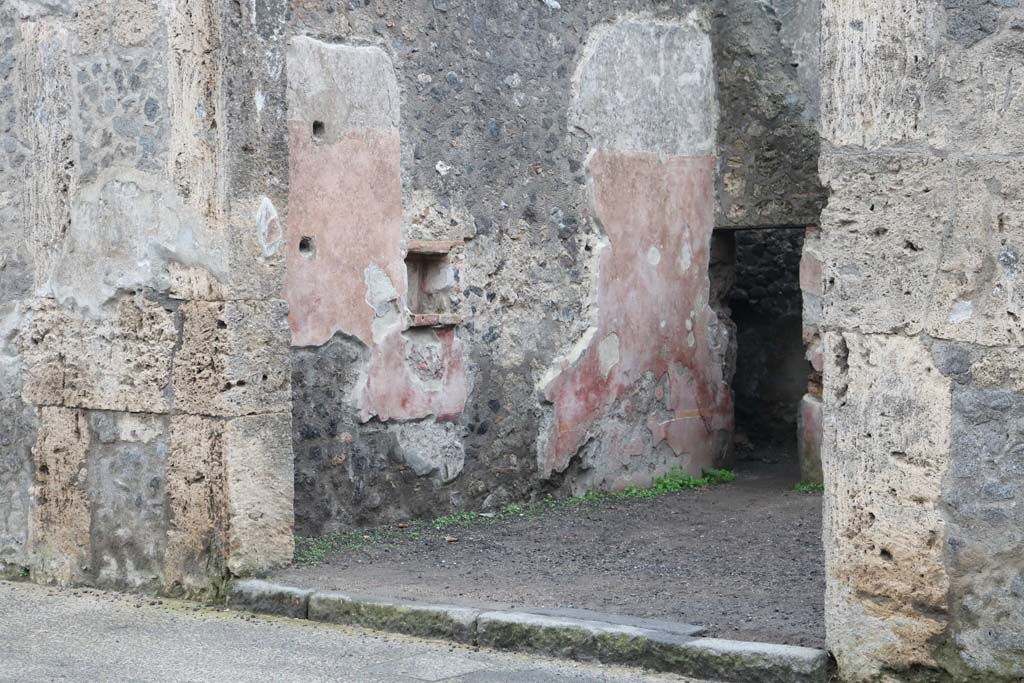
259	480
233	359
196	520
886	450
122	362
61	520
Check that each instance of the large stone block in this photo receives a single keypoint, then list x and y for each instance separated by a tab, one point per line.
972	104
977	294
196	520
921	243
121	362
233	359
259	487
61	518
881	239
876	56
885	451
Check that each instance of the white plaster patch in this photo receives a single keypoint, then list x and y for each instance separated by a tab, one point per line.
125	229
379	288
260	100
962	312
442	168
608	354
568	360
685	255
431	449
653	256
268	227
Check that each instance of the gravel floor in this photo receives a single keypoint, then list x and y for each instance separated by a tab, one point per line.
742	559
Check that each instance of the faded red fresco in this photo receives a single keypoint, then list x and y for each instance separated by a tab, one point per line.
346	200
652	294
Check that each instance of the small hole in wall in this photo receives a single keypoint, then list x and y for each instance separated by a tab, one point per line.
885	554
306	246
318	130
221	324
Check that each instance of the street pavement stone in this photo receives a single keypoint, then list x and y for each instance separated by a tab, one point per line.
90	636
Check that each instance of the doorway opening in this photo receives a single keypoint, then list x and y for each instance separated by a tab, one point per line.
771	371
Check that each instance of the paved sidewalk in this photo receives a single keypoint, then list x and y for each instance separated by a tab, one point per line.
90	636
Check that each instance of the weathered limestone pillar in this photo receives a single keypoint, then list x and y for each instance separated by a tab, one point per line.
642	390
144	369
922	306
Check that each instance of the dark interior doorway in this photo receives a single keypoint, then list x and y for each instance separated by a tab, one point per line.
771	368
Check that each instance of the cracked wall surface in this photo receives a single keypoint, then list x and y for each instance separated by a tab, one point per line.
145	387
920	315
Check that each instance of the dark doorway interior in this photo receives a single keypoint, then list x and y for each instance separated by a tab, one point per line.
771	369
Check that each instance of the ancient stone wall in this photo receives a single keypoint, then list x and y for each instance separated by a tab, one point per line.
423	386
921	118
145	385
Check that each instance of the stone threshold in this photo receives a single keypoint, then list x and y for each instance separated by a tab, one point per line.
566	633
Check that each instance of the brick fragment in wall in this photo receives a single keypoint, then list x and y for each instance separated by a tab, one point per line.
122	362
886	450
259	482
233	359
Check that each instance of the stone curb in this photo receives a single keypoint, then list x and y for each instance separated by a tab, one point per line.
424	621
609	639
269	598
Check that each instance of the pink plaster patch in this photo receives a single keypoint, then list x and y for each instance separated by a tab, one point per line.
345	213
400	385
345	228
811	273
652	292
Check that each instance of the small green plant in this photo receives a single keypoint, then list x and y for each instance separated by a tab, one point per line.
807	487
314	550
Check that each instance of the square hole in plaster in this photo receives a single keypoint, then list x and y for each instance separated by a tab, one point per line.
318	130
431	277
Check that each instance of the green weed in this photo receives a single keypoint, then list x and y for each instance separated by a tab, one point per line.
314	550
805	487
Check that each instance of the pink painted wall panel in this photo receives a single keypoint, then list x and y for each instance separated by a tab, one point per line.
347	197
653	317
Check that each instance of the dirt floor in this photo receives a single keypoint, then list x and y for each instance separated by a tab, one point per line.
743	560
